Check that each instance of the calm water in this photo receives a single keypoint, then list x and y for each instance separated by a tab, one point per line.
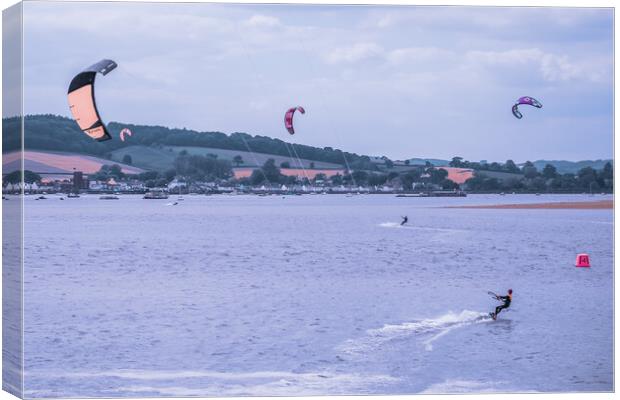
245	295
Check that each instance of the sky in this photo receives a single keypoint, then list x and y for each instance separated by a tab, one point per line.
399	81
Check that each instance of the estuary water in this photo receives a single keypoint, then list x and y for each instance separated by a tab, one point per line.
305	295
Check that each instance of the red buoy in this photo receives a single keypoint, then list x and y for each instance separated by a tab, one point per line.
583	261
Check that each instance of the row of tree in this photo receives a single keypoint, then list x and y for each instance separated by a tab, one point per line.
421	176
508	166
548	180
190	168
15	177
195	168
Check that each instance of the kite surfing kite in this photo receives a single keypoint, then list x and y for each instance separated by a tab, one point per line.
288	118
123	132
524	100
82	100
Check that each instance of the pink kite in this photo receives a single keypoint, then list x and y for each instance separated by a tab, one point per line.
124	131
288	118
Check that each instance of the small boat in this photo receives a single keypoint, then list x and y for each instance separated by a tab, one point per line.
155	194
73	195
413	195
108	197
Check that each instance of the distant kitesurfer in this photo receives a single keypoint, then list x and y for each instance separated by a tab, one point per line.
506	299
405	220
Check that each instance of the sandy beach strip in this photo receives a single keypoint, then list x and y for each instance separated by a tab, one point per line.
563	205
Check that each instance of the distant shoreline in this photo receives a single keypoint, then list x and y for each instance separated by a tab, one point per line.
563	205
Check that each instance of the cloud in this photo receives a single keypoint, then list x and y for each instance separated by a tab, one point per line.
559	68
149	27
260	105
506	57
263	21
356	53
418	54
552	67
457	18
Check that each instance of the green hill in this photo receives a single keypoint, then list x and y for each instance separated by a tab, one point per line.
145	157
157	144
162	158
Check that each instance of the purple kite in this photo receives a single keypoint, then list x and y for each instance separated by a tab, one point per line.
288	118
524	100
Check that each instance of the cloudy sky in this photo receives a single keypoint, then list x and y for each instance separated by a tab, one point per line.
380	80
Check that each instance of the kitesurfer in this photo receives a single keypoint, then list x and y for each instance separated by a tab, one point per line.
506	299
405	220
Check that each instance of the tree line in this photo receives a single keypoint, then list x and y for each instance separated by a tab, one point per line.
509	166
530	179
421	177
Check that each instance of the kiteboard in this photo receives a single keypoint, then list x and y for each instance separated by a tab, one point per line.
496	296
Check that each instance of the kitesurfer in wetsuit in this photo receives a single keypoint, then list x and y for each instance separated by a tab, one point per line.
506	299
405	220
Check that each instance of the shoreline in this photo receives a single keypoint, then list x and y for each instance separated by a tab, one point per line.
562	205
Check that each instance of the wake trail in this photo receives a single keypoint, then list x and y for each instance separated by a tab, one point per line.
424	331
397	225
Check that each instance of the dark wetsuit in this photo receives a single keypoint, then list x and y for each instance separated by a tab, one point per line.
405	219
507	300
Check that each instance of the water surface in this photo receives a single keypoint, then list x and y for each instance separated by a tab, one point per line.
325	294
